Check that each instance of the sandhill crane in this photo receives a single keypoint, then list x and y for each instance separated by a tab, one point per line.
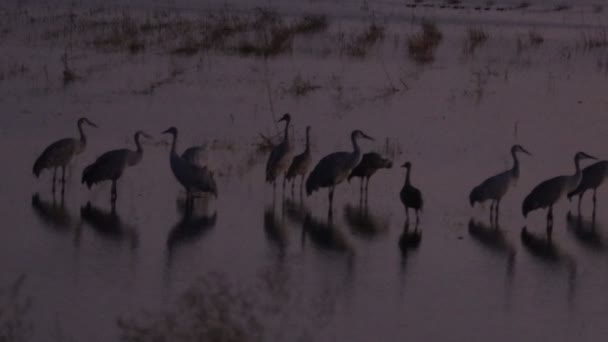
593	176
280	156
334	168
300	164
190	176
410	195
111	165
61	152
547	193
198	155
495	187
370	163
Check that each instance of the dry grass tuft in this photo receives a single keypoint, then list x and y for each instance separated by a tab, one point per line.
475	38
358	44
421	46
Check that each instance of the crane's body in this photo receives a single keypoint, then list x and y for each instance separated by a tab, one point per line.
300	164
334	168
370	163
410	196
593	176
280	156
111	165
198	155
495	187
192	177
60	153
547	193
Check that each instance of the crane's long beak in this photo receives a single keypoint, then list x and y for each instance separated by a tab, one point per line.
167	131
367	136
146	135
589	156
526	151
92	124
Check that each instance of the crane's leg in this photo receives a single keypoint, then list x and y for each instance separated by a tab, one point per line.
550	222
293	186
301	185
594	200
63	174
54	178
361	189
284	181
496	212
366	188
113	197
331	200
417	218
407	215
580	198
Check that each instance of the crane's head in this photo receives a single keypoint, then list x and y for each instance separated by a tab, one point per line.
359	134
285	117
583	155
519	148
84	120
171	130
407	165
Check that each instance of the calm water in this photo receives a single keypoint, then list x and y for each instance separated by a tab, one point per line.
345	279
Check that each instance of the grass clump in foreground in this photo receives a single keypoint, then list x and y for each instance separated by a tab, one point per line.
359	44
475	38
422	45
210	310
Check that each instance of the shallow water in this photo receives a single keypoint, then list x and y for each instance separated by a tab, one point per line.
455	279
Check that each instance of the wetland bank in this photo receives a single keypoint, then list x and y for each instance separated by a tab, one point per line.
448	88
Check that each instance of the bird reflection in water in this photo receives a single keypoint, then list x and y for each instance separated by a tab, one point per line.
53	213
325	235
193	224
275	230
409	241
493	238
586	232
545	250
364	223
109	224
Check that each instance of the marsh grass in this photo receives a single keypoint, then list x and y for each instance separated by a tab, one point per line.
15	325
476	37
422	45
358	44
301	86
210	310
594	40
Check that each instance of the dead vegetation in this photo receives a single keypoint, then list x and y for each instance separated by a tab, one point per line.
422	45
301	86
475	38
15	324
594	40
210	310
358	44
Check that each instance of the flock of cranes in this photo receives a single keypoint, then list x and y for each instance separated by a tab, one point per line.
329	172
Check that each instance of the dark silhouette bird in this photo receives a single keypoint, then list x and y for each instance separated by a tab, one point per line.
593	176
111	165
495	187
300	164
60	153
410	195
280	156
547	193
370	163
198	155
192	177
335	168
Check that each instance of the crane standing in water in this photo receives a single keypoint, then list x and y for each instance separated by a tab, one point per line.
192	177
370	163
334	168
111	165
410	195
547	193
278	161
495	187
300	164
60	153
593	176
